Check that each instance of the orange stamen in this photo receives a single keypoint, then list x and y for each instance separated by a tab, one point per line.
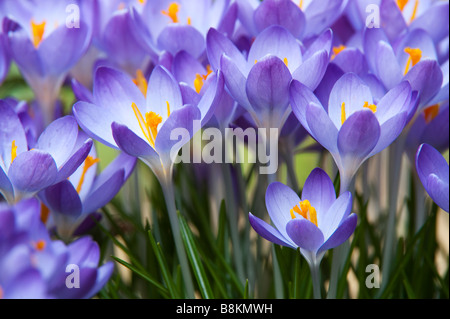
88	163
415	54
431	112
141	82
172	11
37	30
337	50
45	212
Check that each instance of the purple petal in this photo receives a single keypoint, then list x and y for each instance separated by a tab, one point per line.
438	190
300	98
280	199
95	121
163	89
437	14
62	198
103	275
211	97
185	67
130	143
352	91
330	219
6	188
357	138
268	89
388	69
74	161
11	130
279	42
280	12
392	18
321	127
58	139
103	193
235	82
304	234
186	119
332	74
32	171
218	44
320	15
322	42
76	40
81	93
175	38
319	191
430	161
395	101
389	131
268	232
311	71
351	60
342	233
426	86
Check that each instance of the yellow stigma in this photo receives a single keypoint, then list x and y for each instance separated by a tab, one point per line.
306	211
371	107
189	20
88	163
141	82
285	60
39	245
37	30
200	78
415	54
13	151
45	212
343	115
168	108
300	5
431	112
337	50
142	2
149	124
401	4
172	11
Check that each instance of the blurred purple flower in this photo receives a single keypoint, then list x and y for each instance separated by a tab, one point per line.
74	201
433	172
33	266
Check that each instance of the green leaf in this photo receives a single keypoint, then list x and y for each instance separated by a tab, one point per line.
194	258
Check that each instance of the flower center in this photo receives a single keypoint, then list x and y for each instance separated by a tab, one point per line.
415	54
39	245
37	30
45	212
401	5
141	82
88	163
366	105
337	50
200	79
13	151
149	124
431	112
305	210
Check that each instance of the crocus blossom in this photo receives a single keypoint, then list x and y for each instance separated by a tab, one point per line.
55	156
316	222
433	172
45	46
351	127
140	123
42	266
260	82
71	202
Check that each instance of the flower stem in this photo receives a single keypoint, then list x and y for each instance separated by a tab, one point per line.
315	273
169	197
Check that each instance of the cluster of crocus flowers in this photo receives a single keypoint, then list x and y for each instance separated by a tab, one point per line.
40	263
147	75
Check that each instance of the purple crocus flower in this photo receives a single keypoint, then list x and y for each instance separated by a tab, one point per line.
260	82
433	172
414	56
44	45
430	126
74	201
141	125
316	222
305	19
55	155
32	265
174	26
352	128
